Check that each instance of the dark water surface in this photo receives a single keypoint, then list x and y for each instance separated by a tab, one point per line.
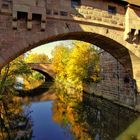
44	127
93	119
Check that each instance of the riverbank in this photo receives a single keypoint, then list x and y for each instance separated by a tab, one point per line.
88	89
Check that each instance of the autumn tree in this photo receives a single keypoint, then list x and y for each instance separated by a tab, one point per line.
37	58
9	73
83	62
77	64
60	59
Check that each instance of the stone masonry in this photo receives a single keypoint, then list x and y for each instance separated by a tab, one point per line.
46	69
114	26
116	84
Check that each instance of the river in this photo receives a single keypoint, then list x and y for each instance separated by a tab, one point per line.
45	117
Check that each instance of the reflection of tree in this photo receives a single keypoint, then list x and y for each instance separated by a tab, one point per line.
68	117
59	113
94	118
66	112
109	119
15	123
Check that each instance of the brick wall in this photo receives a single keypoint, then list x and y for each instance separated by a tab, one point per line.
88	10
132	24
92	11
98	11
116	83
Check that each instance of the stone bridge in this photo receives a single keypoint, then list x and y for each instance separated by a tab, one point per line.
111	25
45	68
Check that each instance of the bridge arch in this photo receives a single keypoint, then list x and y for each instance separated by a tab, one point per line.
47	76
117	50
45	69
110	39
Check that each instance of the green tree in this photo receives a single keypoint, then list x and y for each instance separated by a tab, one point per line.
9	73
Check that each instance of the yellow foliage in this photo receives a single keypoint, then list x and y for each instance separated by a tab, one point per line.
37	58
83	61
60	58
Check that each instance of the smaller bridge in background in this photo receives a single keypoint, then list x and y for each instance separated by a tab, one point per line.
44	68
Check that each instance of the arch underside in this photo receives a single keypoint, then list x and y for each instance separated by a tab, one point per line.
117	50
120	52
48	77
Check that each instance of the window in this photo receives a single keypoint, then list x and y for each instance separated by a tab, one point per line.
112	9
63	13
48	12
75	3
5	6
22	15
36	17
55	12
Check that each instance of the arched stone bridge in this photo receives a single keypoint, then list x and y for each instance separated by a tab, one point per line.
111	25
44	68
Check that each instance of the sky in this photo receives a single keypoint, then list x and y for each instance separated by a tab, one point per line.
47	48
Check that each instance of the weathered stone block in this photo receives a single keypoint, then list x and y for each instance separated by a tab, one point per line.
14	24
113	21
43	26
29	25
29	16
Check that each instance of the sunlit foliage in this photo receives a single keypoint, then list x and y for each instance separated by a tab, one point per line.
37	58
33	80
60	59
9	73
76	65
83	62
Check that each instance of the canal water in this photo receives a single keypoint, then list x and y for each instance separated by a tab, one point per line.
45	128
44	117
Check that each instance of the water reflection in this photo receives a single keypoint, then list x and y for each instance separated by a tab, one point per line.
44	127
87	122
113	119
14	121
95	118
56	115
